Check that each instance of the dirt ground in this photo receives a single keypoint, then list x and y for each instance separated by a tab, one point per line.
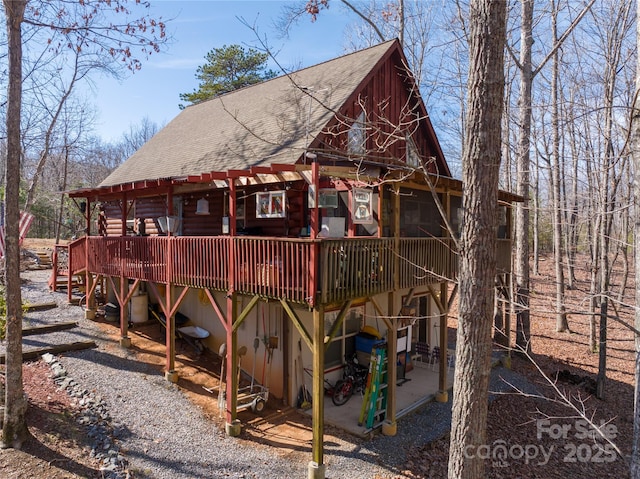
58	448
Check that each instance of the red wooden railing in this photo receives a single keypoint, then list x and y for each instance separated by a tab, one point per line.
200	262
77	256
276	267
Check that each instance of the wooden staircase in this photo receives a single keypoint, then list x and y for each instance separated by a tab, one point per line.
44	259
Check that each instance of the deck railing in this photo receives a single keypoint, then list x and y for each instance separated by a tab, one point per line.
277	267
274	267
355	268
423	261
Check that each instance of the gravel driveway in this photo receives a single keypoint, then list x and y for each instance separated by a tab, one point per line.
161	434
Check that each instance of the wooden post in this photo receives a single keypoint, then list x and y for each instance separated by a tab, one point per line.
233	225
170	329
123	217
390	426
315	229
315	213
316	467
381	205
125	341
90	306
232	426
396	236
443	394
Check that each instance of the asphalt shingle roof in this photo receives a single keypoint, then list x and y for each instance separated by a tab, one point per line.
271	122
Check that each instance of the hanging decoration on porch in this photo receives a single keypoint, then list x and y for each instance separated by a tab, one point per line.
361	206
202	207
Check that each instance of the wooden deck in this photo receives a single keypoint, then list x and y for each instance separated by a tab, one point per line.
301	270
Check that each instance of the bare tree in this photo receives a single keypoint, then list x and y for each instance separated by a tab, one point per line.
78	25
481	165
523	162
75	47
635	156
14	427
137	135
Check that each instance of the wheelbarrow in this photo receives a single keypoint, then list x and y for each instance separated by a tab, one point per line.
192	335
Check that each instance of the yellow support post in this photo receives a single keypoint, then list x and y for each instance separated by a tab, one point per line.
316	466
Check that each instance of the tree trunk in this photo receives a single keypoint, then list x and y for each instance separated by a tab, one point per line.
14	430
523	165
610	181
561	314
480	172
64	187
634	134
536	218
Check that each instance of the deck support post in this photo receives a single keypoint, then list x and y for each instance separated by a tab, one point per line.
317	467
232	426
170	373
389	427
443	394
90	306
125	341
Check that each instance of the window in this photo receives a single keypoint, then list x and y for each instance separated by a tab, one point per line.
270	204
357	135
412	159
344	343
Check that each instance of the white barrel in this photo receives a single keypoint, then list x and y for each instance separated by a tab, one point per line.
138	312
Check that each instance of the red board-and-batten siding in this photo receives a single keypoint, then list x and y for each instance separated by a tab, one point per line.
383	96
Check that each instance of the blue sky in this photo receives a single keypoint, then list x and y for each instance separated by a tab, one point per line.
197	27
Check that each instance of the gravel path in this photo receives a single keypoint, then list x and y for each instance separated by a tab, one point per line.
163	435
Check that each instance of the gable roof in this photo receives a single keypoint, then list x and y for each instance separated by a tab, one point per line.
270	122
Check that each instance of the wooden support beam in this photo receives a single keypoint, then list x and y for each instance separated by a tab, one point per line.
156	294
178	302
392	357
232	366
170	335
317	402
216	308
385	317
245	312
297	323
124	323
437	299
337	324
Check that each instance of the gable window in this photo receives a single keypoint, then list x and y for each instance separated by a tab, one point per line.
413	159
357	135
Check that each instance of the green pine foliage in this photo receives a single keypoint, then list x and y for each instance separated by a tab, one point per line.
228	68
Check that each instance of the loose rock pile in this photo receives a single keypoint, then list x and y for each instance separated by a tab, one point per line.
93	414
